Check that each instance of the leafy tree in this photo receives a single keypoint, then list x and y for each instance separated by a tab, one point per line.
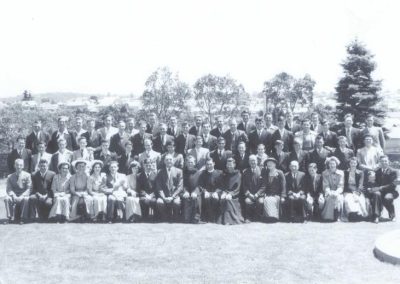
219	95
27	96
165	94
357	93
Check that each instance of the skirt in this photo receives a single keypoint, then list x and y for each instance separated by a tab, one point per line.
60	207
329	204
272	206
88	202
132	208
230	212
99	204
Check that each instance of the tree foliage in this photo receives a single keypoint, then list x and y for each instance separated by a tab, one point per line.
356	92
165	94
219	95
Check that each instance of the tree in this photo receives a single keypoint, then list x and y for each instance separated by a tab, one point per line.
285	92
165	94
27	96
357	93
219	95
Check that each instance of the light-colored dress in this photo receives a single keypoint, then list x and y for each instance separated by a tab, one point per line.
94	185
132	206
78	183
329	203
354	199
62	195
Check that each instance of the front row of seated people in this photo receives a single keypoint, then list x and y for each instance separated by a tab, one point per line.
196	196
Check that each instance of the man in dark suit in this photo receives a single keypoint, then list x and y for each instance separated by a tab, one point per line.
296	193
299	155
352	134
118	140
146	189
36	136
79	132
169	185
106	156
19	153
280	156
343	153
62	132
291	124
251	183
161	139
125	159
220	155
173	128
385	192
41	196
209	141
219	129
319	154
92	136
139	138
245	125
62	155
197	127
283	134
330	137
185	141
233	136
313	187
315	123
259	136
241	158
151	127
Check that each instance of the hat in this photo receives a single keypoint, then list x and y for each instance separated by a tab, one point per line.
333	158
63	163
270	159
97	162
79	161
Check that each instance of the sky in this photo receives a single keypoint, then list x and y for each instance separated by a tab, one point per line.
113	46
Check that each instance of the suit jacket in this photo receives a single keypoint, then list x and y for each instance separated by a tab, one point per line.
35	161
295	185
330	139
287	139
216	132
344	157
319	159
232	140
295	127
52	147
249	127
138	142
386	180
242	163
26	155
107	134
146	185
210	181
158	146
194	130
313	186
356	138
300	157
176	133
93	139
200	155
155	156
171	186
124	162
117	143
182	144
77	136
21	185
106	158
55	159
153	130
282	160
211	143
377	136
119	179
251	182
42	185
255	140
77	154
177	160
32	140
220	162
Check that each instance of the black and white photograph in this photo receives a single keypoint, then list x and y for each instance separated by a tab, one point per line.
187	141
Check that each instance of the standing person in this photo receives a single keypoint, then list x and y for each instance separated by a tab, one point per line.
126	158
36	136
251	182
290	124
146	188
332	187
19	185
306	136
95	184
218	131
209	181
107	131
375	132
241	158
245	125
79	132
229	191
62	155
149	153
169	185
160	140
40	155
355	205
151	126
41	196
283	134
61	133
343	153
384	193
81	200
173	129
20	152
353	135
368	156
133	212
313	188
105	155
319	154
259	136
330	137
280	156
199	153
209	141
177	159
118	140
139	138
93	137
297	195
233	136
299	155
61	192
196	129
272	191
269	126
185	141
131	127
220	155
315	124
82	152
191	197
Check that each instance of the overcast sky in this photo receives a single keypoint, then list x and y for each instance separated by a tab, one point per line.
113	46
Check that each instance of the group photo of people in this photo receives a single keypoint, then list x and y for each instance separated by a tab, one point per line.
229	171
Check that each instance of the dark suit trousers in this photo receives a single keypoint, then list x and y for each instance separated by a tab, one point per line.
169	211
210	209
146	205
192	209
383	199
297	208
39	208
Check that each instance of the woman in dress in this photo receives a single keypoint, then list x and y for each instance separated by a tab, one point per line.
331	202
133	211
60	188
230	212
94	185
355	203
81	200
273	190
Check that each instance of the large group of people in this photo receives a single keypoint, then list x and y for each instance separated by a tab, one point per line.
177	172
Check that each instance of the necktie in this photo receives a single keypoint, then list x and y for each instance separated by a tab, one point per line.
245	126
220	154
294	181
38	160
348	134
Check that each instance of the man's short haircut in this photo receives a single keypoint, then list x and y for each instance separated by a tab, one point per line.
82	138
43	161
170	143
61	140
221	139
113	163
258	119
312	165
20	137
184	123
